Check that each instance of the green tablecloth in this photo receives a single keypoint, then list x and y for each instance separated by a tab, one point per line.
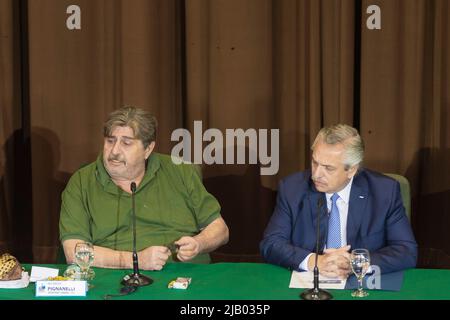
237	281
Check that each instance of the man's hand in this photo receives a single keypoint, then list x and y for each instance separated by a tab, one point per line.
189	248
153	258
333	262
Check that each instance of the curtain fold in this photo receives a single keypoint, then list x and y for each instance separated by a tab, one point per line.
15	190
280	65
313	73
405	104
229	86
126	53
9	121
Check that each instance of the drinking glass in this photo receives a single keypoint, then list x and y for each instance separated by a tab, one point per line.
360	262
84	256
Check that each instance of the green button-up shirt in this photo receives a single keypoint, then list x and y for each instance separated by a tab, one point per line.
171	202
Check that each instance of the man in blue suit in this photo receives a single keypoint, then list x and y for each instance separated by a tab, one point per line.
358	208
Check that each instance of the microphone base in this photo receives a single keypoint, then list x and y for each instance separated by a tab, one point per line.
316	294
136	279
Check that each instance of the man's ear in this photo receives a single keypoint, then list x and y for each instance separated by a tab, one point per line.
149	149
352	171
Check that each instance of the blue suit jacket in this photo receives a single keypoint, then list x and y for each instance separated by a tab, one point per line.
376	221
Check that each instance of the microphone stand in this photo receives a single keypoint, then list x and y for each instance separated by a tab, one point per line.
316	293
135	279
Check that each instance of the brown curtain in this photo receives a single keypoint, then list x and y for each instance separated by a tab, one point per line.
15	190
313	73
126	53
280	64
8	119
292	65
405	105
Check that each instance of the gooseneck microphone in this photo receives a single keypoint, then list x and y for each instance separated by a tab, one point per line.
135	279
316	293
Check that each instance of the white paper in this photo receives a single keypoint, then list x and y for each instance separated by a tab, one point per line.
305	279
16	284
42	273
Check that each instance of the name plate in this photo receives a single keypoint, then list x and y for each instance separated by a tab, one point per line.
61	288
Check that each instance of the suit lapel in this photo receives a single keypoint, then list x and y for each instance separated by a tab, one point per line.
359	195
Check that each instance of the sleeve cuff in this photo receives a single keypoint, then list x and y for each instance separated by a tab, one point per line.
304	264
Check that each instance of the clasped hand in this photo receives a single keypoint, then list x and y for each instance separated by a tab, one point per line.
335	263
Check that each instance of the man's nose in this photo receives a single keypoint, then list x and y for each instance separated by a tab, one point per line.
317	172
116	148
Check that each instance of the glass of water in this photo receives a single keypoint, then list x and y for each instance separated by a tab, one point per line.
360	262
84	256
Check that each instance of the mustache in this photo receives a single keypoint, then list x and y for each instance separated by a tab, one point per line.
316	180
115	158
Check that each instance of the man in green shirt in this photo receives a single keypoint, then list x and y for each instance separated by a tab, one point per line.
172	205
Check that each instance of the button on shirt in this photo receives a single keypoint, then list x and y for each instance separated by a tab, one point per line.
342	204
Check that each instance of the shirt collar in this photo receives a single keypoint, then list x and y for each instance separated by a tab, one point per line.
344	194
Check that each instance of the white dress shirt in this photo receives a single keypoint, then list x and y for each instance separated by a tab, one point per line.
342	204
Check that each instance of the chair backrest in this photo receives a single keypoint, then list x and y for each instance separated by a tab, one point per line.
405	191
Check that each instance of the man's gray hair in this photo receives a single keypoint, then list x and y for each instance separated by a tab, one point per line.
143	123
349	137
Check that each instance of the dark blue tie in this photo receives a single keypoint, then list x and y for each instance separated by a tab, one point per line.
334	225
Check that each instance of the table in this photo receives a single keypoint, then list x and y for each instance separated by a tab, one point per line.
236	281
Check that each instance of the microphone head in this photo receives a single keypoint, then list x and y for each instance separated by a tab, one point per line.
133	187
